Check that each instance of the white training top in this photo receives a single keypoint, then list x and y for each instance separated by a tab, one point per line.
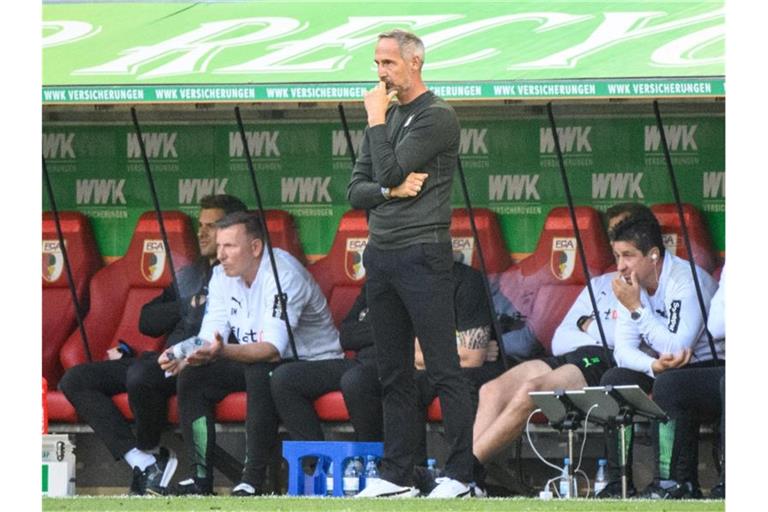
716	318
671	319
568	337
254	313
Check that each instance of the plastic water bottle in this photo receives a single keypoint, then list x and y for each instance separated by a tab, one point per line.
329	481
351	478
600	481
565	489
371	471
183	348
433	469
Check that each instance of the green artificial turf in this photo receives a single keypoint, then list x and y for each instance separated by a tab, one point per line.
287	504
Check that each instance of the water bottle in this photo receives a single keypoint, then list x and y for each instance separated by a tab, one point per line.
329	481
433	469
183	348
371	471
600	481
565	489
351	478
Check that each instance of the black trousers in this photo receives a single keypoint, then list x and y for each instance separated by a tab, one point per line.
410	292
90	387
690	398
675	442
362	395
202	387
295	387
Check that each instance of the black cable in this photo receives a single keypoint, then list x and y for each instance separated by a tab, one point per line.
684	228
158	212
579	244
346	134
268	243
70	280
484	271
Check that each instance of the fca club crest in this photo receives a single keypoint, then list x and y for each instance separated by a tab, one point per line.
53	261
670	242
462	249
353	259
153	260
563	257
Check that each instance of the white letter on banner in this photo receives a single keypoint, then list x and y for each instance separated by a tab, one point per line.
68	32
359	31
198	47
682	51
548	20
616	28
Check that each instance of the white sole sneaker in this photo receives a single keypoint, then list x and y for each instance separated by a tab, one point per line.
386	489
450	488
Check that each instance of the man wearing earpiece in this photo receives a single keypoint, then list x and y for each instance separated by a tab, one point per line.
660	325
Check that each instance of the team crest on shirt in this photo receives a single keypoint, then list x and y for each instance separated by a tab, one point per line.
353	259
670	242
53	260
462	249
563	259
153	260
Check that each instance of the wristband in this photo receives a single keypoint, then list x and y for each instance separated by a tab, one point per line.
581	321
125	349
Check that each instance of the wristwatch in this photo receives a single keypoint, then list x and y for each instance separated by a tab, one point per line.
385	191
636	314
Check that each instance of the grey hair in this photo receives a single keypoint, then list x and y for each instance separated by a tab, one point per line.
410	44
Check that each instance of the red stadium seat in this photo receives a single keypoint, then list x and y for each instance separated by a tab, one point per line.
495	251
340	273
119	290
283	233
544	285
701	243
59	317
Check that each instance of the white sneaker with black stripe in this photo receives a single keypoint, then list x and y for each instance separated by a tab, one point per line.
450	488
386	489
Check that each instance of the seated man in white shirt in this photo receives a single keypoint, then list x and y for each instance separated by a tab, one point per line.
243	300
660	325
579	360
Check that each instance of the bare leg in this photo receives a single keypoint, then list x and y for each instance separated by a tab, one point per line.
509	424
496	394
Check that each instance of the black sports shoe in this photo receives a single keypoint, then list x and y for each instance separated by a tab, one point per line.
423	480
678	491
612	491
194	486
245	490
717	492
155	478
138	484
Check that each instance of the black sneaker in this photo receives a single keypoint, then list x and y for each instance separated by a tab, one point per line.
194	486
138	484
612	491
677	491
717	492
155	478
423	480
245	490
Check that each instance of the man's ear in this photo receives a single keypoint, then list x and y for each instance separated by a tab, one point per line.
257	246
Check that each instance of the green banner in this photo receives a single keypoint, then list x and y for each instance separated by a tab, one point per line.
303	166
323	51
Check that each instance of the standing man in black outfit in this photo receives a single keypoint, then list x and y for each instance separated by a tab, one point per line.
90	386
403	177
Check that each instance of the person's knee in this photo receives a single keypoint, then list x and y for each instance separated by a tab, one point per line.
141	376
283	381
75	379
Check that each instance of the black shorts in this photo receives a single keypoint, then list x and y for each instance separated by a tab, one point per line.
590	360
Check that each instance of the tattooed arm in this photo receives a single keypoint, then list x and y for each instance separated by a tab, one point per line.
473	345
